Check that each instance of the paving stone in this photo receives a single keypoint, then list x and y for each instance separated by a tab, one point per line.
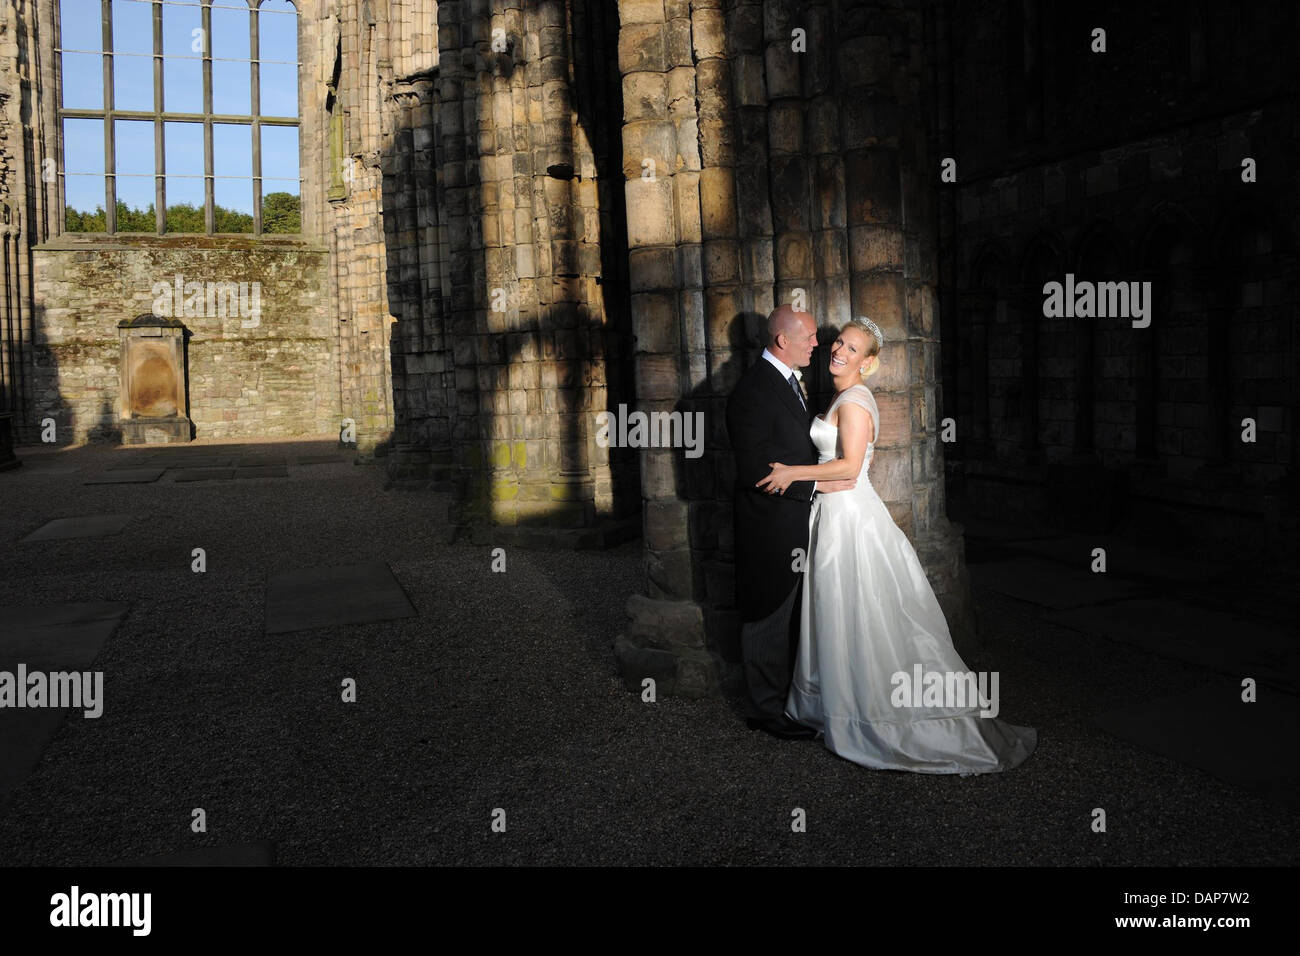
63	637
1245	744
80	526
1122	558
326	597
24	735
225	462
320	459
43	467
1050	585
127	476
204	474
262	471
1220	641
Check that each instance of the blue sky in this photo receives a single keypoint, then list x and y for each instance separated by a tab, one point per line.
182	92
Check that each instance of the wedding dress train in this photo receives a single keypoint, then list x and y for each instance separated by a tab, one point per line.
869	615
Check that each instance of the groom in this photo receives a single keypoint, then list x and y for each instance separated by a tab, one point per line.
768	420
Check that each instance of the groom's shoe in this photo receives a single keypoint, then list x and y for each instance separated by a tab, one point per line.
782	727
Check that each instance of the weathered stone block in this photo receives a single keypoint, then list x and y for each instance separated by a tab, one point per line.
652	269
641	46
650	219
873	186
654	318
717	203
875	248
649	140
708	33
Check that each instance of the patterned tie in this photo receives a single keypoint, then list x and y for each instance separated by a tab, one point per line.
794	383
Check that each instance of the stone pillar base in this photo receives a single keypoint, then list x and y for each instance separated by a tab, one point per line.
665	641
169	430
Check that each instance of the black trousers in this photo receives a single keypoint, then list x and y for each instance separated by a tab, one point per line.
768	649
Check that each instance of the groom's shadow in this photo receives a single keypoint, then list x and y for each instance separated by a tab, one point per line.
706	485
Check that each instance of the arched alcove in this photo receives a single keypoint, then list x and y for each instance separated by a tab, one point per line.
1101	373
1042	261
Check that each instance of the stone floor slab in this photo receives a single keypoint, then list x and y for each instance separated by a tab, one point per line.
326	597
1123	558
204	474
204	463
62	637
320	459
1050	585
44	466
79	526
262	471
127	476
1212	728
1221	641
24	735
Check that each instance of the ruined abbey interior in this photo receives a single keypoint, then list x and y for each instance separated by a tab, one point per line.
506	217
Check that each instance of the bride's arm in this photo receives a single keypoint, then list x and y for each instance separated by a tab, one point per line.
856	429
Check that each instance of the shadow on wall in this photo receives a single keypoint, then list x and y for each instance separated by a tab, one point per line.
47	397
707	483
520	390
1141	426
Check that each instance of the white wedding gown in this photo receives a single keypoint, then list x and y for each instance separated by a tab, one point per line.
868	613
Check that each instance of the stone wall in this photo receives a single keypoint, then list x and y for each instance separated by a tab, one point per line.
348	52
1125	165
503	221
26	198
64	294
268	374
530	212
788	143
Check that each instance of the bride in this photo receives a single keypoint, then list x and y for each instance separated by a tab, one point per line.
871	625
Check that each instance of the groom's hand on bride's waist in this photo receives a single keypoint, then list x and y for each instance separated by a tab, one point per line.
840	484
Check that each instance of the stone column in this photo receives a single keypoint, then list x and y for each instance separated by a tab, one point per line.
666	638
814	181
500	215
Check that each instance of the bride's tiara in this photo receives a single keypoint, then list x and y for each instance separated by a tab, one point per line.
865	323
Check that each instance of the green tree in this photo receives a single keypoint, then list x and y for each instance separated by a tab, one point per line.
281	213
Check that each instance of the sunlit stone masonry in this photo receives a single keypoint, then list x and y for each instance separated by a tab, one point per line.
517	215
789	143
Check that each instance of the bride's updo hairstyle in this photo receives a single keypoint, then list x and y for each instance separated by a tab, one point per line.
876	337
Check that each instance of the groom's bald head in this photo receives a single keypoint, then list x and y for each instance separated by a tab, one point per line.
791	335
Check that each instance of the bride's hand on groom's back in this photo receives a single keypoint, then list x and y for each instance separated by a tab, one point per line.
840	484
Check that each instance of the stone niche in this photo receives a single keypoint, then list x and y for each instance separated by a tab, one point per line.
153	407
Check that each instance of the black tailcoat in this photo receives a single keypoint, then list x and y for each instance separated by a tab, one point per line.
766	423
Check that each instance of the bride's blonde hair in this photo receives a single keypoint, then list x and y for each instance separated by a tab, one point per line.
863	324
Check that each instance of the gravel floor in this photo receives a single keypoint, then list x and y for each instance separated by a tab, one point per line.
502	694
